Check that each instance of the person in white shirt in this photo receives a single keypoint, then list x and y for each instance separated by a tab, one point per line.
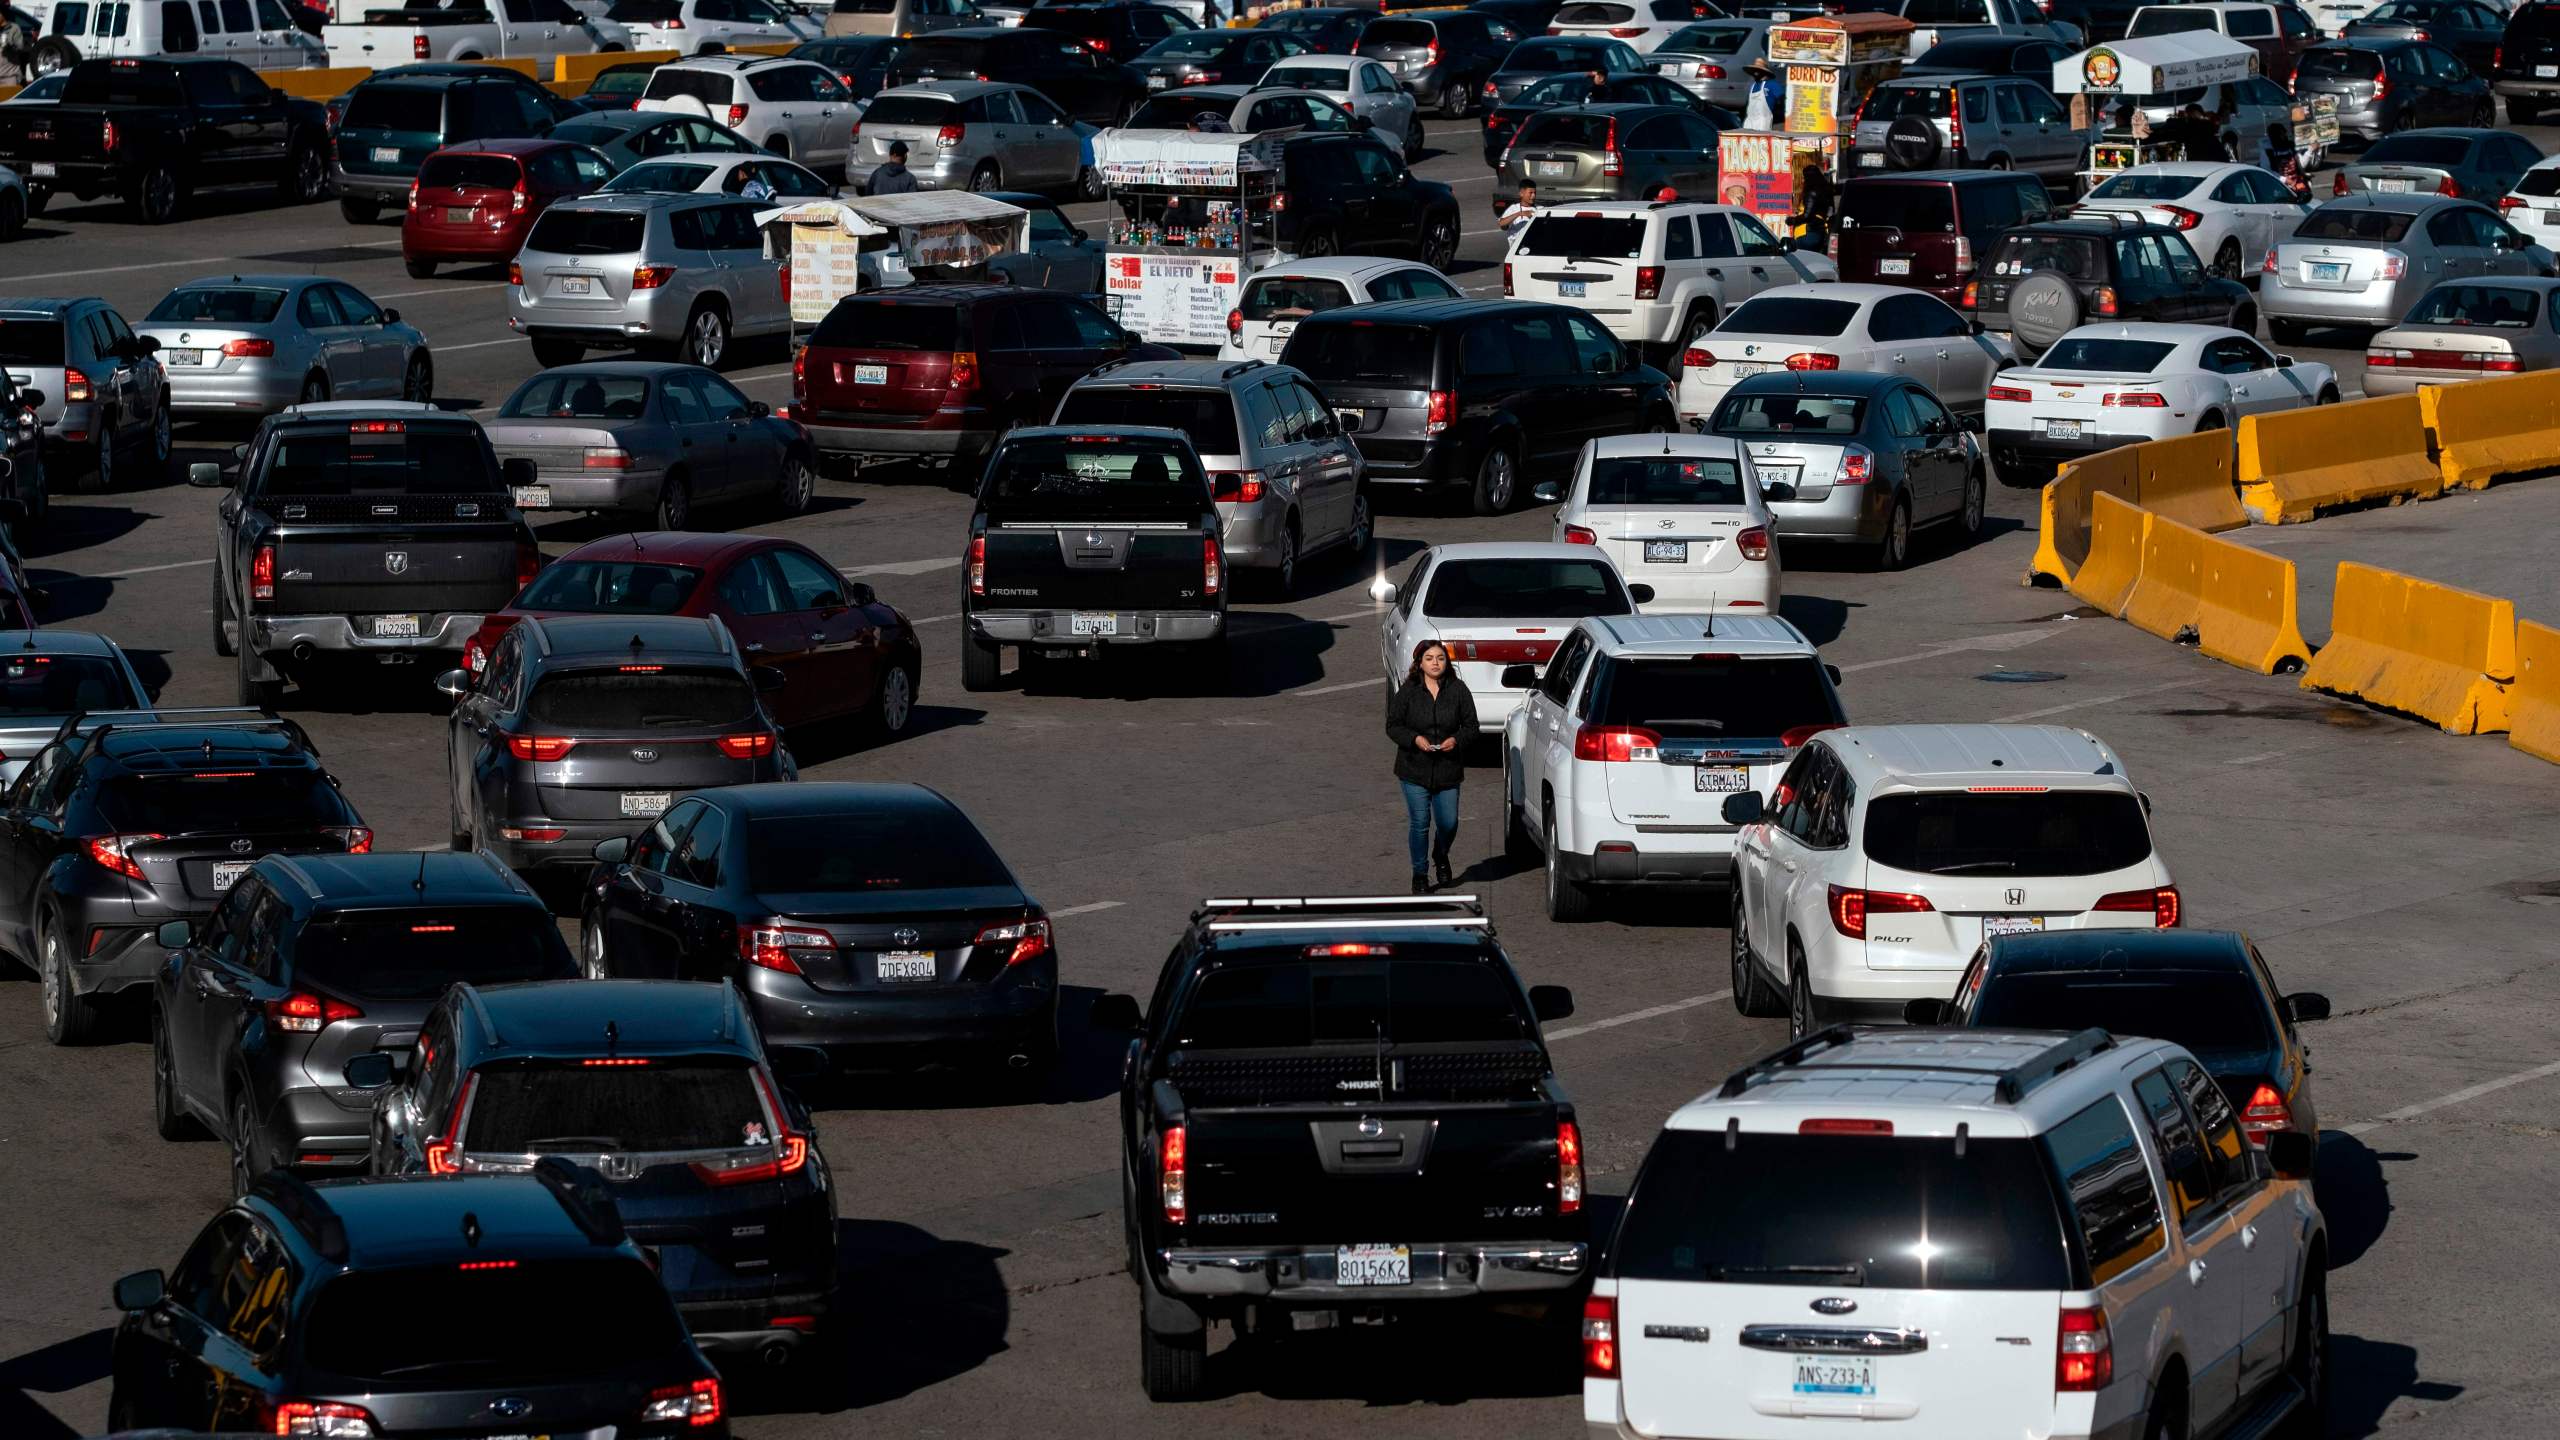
1515	216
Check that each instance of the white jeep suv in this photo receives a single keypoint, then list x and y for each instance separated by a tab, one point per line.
1965	1233
1658	274
1887	854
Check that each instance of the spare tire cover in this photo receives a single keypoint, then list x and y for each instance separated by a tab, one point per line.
2042	309
1911	144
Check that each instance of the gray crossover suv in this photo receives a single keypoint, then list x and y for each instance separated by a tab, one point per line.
678	275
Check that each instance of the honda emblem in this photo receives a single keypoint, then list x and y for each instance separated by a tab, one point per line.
396	561
2014	895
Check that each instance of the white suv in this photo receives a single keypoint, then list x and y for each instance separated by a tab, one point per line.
1618	761
1966	1233
1657	274
1889	853
790	107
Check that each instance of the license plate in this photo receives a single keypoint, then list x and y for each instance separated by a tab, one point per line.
182	357
870	374
227	873
1723	779
395	627
1373	1265
1155	82
1552	169
1352	419
1780	475
1093	624
577	285
2062	429
1893	267
43	170
2396	187
2328	272
1573	289
1871	160
2010	924
533	497
645	802
1666	552
387	154
1744	370
906	965
1830	1375
458	214
2540	72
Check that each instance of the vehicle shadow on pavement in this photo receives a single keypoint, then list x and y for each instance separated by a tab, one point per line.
1432	1358
2354	1195
1088	1069
68	596
1820	617
224	203
913	1311
63	1366
69	526
822	743
2366	1376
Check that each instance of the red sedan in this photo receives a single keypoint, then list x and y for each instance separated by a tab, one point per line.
845	653
474	202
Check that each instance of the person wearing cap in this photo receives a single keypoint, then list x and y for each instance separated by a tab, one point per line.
1768	93
893	178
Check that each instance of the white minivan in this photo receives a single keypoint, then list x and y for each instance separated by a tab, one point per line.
258	33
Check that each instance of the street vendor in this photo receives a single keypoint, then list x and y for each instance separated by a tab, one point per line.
894	178
1768	97
1816	196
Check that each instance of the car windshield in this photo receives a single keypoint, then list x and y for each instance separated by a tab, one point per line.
610	587
100	82
1585	236
2341	63
2147	185
1656	480
907	850
569	395
2436	150
475	172
889	324
1790	315
319	464
1785	412
1533	589
217	305
2355	225
1363	352
1711	698
1207	416
415	109
1755	1208
210	802
1291	1005
2113	357
2208	1012
1962	832
30	340
38	684
414	955
1922	207
643	697
2500	307
530	1322
665	1105
672	177
1190	42
1094	475
1706	40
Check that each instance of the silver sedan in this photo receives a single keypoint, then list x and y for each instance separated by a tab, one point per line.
651	438
2361	261
2468	330
254	344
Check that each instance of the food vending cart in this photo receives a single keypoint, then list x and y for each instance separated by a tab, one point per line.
1830	63
2131	89
1196	220
882	242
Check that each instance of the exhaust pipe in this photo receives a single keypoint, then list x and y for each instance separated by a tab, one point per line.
1017	1062
303	650
774	1354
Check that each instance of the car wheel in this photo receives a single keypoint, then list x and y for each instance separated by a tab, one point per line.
981	661
1364	529
799	483
1752	995
2168	1418
986	177
1517	840
2328	395
2310	1364
13	216
1317	243
169	1119
780	145
155	196
315	389
102	463
1171	1367
2485	117
163	448
308	178
1497	477
2287	332
2226	261
1893	549
894	704
1696	328
222	644
420	383
591	957
359	212
2212	421
1457	99
52	53
70	1018
1439	247
1413	141
1976	497
1802	1019
1089	186
550	353
675	502
1568	900
420	269
247	1164
706	337
1284	575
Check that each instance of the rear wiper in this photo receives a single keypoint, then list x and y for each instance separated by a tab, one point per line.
654	720
1854	1274
576	1142
1701	722
1962	866
1589	260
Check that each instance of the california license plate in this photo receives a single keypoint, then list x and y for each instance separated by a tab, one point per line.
577	285
1573	289
2546	72
1666	552
1093	624
1893	267
1373	1265
645	802
227	873
387	154
2010	924
1835	1375
182	357
2320	271
2062	429
1155	82
43	170
395	627
533	497
870	374
1723	779
906	965
458	214
1871	160
2395	187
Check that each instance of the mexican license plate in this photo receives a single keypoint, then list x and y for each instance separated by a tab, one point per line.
870	374
458	214
1835	1375
577	285
1093	624
1723	779
395	627
1666	552
1774	476
2328	271
533	497
2395	187
2062	429
1551	169
387	154
1871	160
1155	82
1373	1265
1893	267
2010	924
906	964
1573	289
43	170
2546	72
646	802
182	358
227	873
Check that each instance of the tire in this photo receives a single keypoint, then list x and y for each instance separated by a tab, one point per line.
706	338
779	145
675	503
2287	332
1458	101
1284	576
247	1164
13	216
2328	395
419	383
1089	186
1893	548
981	662
1802	1016
550	354
264	694
2042	309
2226	261
593	963
1171	1368
1364	529
893	705
1439	247
1912	144
2522	112
70	1018
1316	243
2309	1365
2485	117
358	212
1699	324
169	1119
1497	484
164	450
799	484
1568	901
222	642
1977	495
315	389
1753	995
986	177
2168	1418
2212	421
52	53
1999	163
307	178
420	269
1413	141
1517	841
101	475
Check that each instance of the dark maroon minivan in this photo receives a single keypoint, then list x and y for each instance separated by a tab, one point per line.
1928	229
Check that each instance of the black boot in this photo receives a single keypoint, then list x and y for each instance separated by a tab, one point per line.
1441	863
1421	883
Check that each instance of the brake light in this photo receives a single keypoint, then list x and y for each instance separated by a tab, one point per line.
2265	1113
1235	324
1177	1203
1626	32
651	277
1648	282
2135	400
1754	543
788	1152
324	1417
2162	903
2448	185
537	747
1710	72
698	1402
2339	185
379	427
520	200
1029	939
413	197
107	136
1955	126
262	573
528	564
2103	301
2394	264
964	370
2268	266
475	656
1610	161
768	946
737	116
1972	299
977	564
1964	254
1813	360
1444	408
2181	216
1616	744
1213	576
1568	1167
248	349
1797	735
1857	466
357	838
1850	908
2085	1358
418	47
599	457
444	1157
515	274
746	747
1280	200
2509	202
1506	279
1241	486
1695	356
1841	1126
1580	535
1491	92
1431	53
2012	394
305	1013
109	850
950	135
1831	247
75	387
1600	1337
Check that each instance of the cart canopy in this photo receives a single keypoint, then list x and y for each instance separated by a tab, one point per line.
2155	65
1186	158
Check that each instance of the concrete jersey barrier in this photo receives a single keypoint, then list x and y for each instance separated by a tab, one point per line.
2494	428
2533	702
2191	479
2296	463
2247	616
2116	534
2062	530
2444	655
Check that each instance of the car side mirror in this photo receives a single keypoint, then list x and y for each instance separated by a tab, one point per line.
141	1290
757	409
1362	124
371	1070
454	684
32	399
770	678
615	851
1546	492
2284	361
1383	590
390	317
1927	1012
1970	424
1519	677
2306	1005
1075	237
1833	671
864	594
1115	1014
519	471
1744	808
1550	1002
176	934
1641	594
2290	1152
205	475
799	1062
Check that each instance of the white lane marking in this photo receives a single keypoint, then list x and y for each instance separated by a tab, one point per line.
2002	640
2026	715
1651	1012
150	569
1086	909
474	345
935	619
1334	689
1356	614
218	262
910	567
439	290
2467	1092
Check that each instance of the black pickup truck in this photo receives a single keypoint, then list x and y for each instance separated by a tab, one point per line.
154	131
361	531
1341	1105
1085	538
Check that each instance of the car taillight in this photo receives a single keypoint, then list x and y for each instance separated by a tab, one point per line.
737	116
964	370
325	1418
1648	282
2265	1113
1580	535
2449	186
418	47
1972	298
537	747
75	387
977	564
1431	53
1506	279
1599	1337
768	946
785	1156
2268	266
2510	202
2381	86
1243	487
1213	566
1279	201
1626	32
1754	543
1235	325
950	135
1616	744
1694	356
1568	1167
413	197
528	565
599	457
444	1155
1028	939
2394	265
1964	253
2135	400
1857	465
1710	72
109	851
249	349
2161	902
651	277
1177	1202
305	1013
1797	735
1443	409
2085	1358
2010	393
1851	907
2339	185
337	115
107	136
751	746
1492	91
2181	216
515	273
1831	247
262	573
519	199
696	1402
1812	360
357	838
1610	161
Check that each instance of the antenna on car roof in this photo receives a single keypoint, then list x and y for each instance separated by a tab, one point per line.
1711	614
634	538
31	640
420	884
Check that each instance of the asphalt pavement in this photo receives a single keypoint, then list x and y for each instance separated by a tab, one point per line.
2406	874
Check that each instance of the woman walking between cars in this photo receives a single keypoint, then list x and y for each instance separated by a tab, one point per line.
1430	717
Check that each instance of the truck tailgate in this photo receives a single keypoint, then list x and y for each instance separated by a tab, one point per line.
1097	567
396	569
32	136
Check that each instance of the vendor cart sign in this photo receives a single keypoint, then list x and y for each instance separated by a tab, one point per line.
2101	70
1174	299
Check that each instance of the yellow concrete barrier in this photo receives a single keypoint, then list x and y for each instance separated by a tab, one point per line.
2247	616
583	69
316	84
2190	480
2062	532
2295	463
8	90
2441	654
2114	562
2167	597
2491	428
784	47
2533	702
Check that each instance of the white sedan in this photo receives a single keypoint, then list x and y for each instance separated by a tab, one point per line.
2102	386
1495	604
2232	214
1681	516
1882	328
2461	330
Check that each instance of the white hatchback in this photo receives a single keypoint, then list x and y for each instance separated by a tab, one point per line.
1681	516
792	108
1883	328
1495	604
1645	24
1275	300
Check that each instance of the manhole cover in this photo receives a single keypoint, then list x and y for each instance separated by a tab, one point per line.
2021	677
333	255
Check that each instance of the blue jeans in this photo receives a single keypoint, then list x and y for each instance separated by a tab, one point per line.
1421	809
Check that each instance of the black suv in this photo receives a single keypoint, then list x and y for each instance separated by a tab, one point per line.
1351	192
1484	397
1119	31
394	119
123	823
894	933
313	960
452	1308
662	1089
1442	56
2527	71
587	725
2047	279
1094	88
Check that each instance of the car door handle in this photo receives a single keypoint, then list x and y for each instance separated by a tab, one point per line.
2248	1237
2195	1272
817	637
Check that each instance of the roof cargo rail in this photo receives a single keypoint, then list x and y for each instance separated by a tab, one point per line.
2011	1082
1305	912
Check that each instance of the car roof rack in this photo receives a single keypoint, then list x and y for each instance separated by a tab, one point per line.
1239	368
583	1196
2011	1082
294	1199
239	717
1240	914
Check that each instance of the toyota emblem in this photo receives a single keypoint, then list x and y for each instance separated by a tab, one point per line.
1834	1305
2014	895
510	1407
644	754
906	935
243	846
396	561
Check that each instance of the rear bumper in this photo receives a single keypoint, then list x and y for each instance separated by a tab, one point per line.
746	1327
2376	306
901	442
1440	463
258	388
1449	1270
1016	1016
304	1125
2527	89
336	635
625	490
2027	459
79	177
458	242
575	847
124	957
1050	628
1847	513
1704	858
385	189
1861	993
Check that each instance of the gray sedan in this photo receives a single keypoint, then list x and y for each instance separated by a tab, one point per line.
628	137
2468	330
2480	164
650	438
1857	459
2362	260
255	344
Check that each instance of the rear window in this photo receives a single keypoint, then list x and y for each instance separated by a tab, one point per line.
889	325
1585	236
1959	832
1588	131
710	89
2340	64
1174	112
2539	181
2496	306
1893	102
2354	224
1192	42
1717	698
2212	1014
620	82
2146	185
30	342
100	82
665	1105
1288	297
1323	80
414	108
1898	207
218	305
2159	20
942	53
1664	480
574	396
1207	416
1363	353
490	172
319	465
606	587
1789	315
293	797
1529	588
414	956
1601	14
1540	59
1706	40
870	854
60	684
2416	150
588	232
1094	477
530	1323
665	700
1752	1208
2092	352
1398	32
1288	1006
895	109
2081	257
1786	413
665	176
